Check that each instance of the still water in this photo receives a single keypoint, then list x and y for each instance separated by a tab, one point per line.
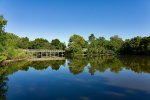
80	78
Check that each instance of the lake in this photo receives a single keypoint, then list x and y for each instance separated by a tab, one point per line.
79	78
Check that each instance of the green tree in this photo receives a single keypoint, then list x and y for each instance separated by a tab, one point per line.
23	43
39	43
96	45
76	44
137	45
3	22
57	44
115	43
92	38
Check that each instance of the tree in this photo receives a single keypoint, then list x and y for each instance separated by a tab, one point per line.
76	44
8	43
136	45
23	43
96	45
145	45
39	43
3	22
115	43
92	38
57	44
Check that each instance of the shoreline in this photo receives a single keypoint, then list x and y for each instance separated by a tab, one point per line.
12	61
59	58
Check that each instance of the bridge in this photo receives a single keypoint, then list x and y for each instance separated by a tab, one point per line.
45	53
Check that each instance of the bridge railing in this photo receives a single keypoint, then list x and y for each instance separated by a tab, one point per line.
42	50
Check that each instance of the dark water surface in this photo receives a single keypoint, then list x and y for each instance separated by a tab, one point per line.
80	78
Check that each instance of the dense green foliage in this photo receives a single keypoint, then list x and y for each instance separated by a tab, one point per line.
137	45
8	44
56	44
11	45
23	43
77	44
3	22
96	46
40	43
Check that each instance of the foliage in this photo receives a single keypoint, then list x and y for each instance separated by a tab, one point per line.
92	38
23	43
3	22
57	44
9	44
96	46
8	47
39	43
76	44
137	45
115	43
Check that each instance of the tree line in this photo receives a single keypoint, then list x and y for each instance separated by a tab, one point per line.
134	46
11	44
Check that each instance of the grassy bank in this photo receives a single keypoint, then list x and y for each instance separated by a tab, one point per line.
13	56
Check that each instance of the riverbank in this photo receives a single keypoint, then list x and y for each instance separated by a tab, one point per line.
4	62
11	61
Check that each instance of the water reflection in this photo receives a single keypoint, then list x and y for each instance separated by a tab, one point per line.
115	64
77	65
40	65
3	86
110	85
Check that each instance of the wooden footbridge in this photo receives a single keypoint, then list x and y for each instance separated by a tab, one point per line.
44	53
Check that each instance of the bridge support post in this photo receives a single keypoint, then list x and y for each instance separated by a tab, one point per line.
46	54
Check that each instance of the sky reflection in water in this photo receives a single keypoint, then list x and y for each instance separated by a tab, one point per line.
77	79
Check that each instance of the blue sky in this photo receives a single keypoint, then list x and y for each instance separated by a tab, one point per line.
51	19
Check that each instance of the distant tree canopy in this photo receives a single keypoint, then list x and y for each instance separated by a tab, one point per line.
94	45
57	44
137	45
76	44
11	44
23	43
39	43
115	43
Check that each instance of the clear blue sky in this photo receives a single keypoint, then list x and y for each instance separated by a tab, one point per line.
62	18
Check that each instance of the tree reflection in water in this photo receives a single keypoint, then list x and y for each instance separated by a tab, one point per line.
40	65
115	64
3	87
76	66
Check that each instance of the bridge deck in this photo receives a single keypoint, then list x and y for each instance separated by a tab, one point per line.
42	50
44	53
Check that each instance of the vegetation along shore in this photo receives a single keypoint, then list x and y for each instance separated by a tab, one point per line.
11	45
